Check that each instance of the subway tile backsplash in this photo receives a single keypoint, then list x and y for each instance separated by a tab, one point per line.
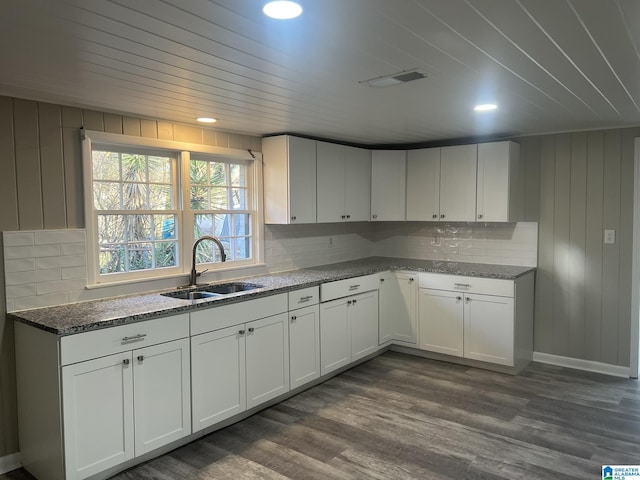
48	267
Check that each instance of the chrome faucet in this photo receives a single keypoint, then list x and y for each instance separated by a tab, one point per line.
194	273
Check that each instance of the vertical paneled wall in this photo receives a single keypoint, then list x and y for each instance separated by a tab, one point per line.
41	188
583	291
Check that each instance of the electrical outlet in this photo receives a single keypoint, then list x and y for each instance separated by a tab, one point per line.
609	237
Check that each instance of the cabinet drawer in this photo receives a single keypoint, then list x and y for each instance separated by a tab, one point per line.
349	286
303	297
224	316
487	286
99	343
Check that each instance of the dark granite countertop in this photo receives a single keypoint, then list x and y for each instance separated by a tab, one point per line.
86	316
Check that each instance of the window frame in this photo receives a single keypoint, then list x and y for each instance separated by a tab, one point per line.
182	152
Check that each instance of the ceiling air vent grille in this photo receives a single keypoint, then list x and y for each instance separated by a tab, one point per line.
394	79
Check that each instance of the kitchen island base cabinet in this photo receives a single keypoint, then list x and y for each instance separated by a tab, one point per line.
238	368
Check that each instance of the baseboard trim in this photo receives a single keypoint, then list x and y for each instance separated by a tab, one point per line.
586	365
10	462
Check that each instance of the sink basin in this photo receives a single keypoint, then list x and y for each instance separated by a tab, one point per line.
225	288
211	291
190	294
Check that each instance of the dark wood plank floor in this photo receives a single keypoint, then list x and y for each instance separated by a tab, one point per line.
404	417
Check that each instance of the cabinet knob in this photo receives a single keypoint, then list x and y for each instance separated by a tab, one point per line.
458	298
348	216
382	280
354	301
411	279
348	302
480	215
125	361
442	215
435	215
293	218
467	299
374	216
251	330
140	358
241	332
293	318
344	216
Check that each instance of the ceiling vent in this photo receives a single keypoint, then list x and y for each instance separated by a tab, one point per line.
394	79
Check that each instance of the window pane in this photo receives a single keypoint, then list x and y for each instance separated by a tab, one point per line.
160	170
111	229
222	224
239	198
134	196
218	172
164	227
199	198
134	167
106	196
160	197
166	254
219	199
140	257
106	165
198	172
238	175
111	259
241	225
241	248
203	225
138	228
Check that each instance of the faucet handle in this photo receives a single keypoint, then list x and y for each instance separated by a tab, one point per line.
203	271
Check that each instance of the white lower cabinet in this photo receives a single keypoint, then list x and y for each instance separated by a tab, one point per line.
441	322
490	320
398	307
304	345
348	330
237	368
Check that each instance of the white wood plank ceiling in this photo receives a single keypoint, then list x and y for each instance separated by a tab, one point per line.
550	65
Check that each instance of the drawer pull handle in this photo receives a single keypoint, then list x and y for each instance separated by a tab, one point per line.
305	299
251	330
125	361
354	287
134	338
140	358
462	285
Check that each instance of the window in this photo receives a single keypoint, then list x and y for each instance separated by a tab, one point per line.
146	206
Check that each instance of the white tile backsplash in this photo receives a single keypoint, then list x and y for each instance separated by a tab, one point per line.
49	267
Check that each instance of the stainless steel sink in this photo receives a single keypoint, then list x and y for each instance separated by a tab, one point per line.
211	291
190	294
226	288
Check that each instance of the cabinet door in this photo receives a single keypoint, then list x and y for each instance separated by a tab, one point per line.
218	376
97	414
388	185
441	326
398	305
162	394
331	183
423	184
304	345
388	298
363	322
302	180
357	177
458	166
267	359
335	336
489	329
497	170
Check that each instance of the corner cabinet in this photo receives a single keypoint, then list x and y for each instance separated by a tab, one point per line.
398	307
388	185
343	183
498	197
289	175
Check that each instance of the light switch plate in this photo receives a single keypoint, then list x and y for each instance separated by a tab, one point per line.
609	237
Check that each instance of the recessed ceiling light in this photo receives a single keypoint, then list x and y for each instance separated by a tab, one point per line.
206	120
486	107
282	10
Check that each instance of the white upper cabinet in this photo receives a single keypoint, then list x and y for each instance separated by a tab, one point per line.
289	171
343	183
389	185
423	184
498	198
458	165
